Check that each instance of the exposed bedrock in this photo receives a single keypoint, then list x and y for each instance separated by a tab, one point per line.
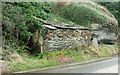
106	35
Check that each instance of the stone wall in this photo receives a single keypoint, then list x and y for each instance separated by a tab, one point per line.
65	38
59	37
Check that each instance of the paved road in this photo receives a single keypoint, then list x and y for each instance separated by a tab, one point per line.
105	66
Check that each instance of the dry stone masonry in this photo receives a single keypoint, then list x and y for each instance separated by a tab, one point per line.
66	38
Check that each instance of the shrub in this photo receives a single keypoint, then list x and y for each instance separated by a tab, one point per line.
18	22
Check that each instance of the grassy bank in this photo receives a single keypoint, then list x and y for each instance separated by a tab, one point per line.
56	19
64	56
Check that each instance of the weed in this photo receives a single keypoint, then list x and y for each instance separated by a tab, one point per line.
77	54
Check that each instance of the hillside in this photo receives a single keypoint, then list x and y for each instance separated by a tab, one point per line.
84	13
22	26
27	32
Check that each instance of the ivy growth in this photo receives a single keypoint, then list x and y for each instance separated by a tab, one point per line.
18	23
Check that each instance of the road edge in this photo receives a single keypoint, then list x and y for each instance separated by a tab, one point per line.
65	65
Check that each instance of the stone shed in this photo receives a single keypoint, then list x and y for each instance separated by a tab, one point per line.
59	37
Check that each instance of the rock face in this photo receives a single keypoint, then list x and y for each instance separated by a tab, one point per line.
105	35
66	38
95	42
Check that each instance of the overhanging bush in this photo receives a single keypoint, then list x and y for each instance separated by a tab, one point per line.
18	22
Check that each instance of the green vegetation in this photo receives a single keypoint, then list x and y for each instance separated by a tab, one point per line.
19	27
64	56
84	13
18	30
114	8
31	63
19	24
56	19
